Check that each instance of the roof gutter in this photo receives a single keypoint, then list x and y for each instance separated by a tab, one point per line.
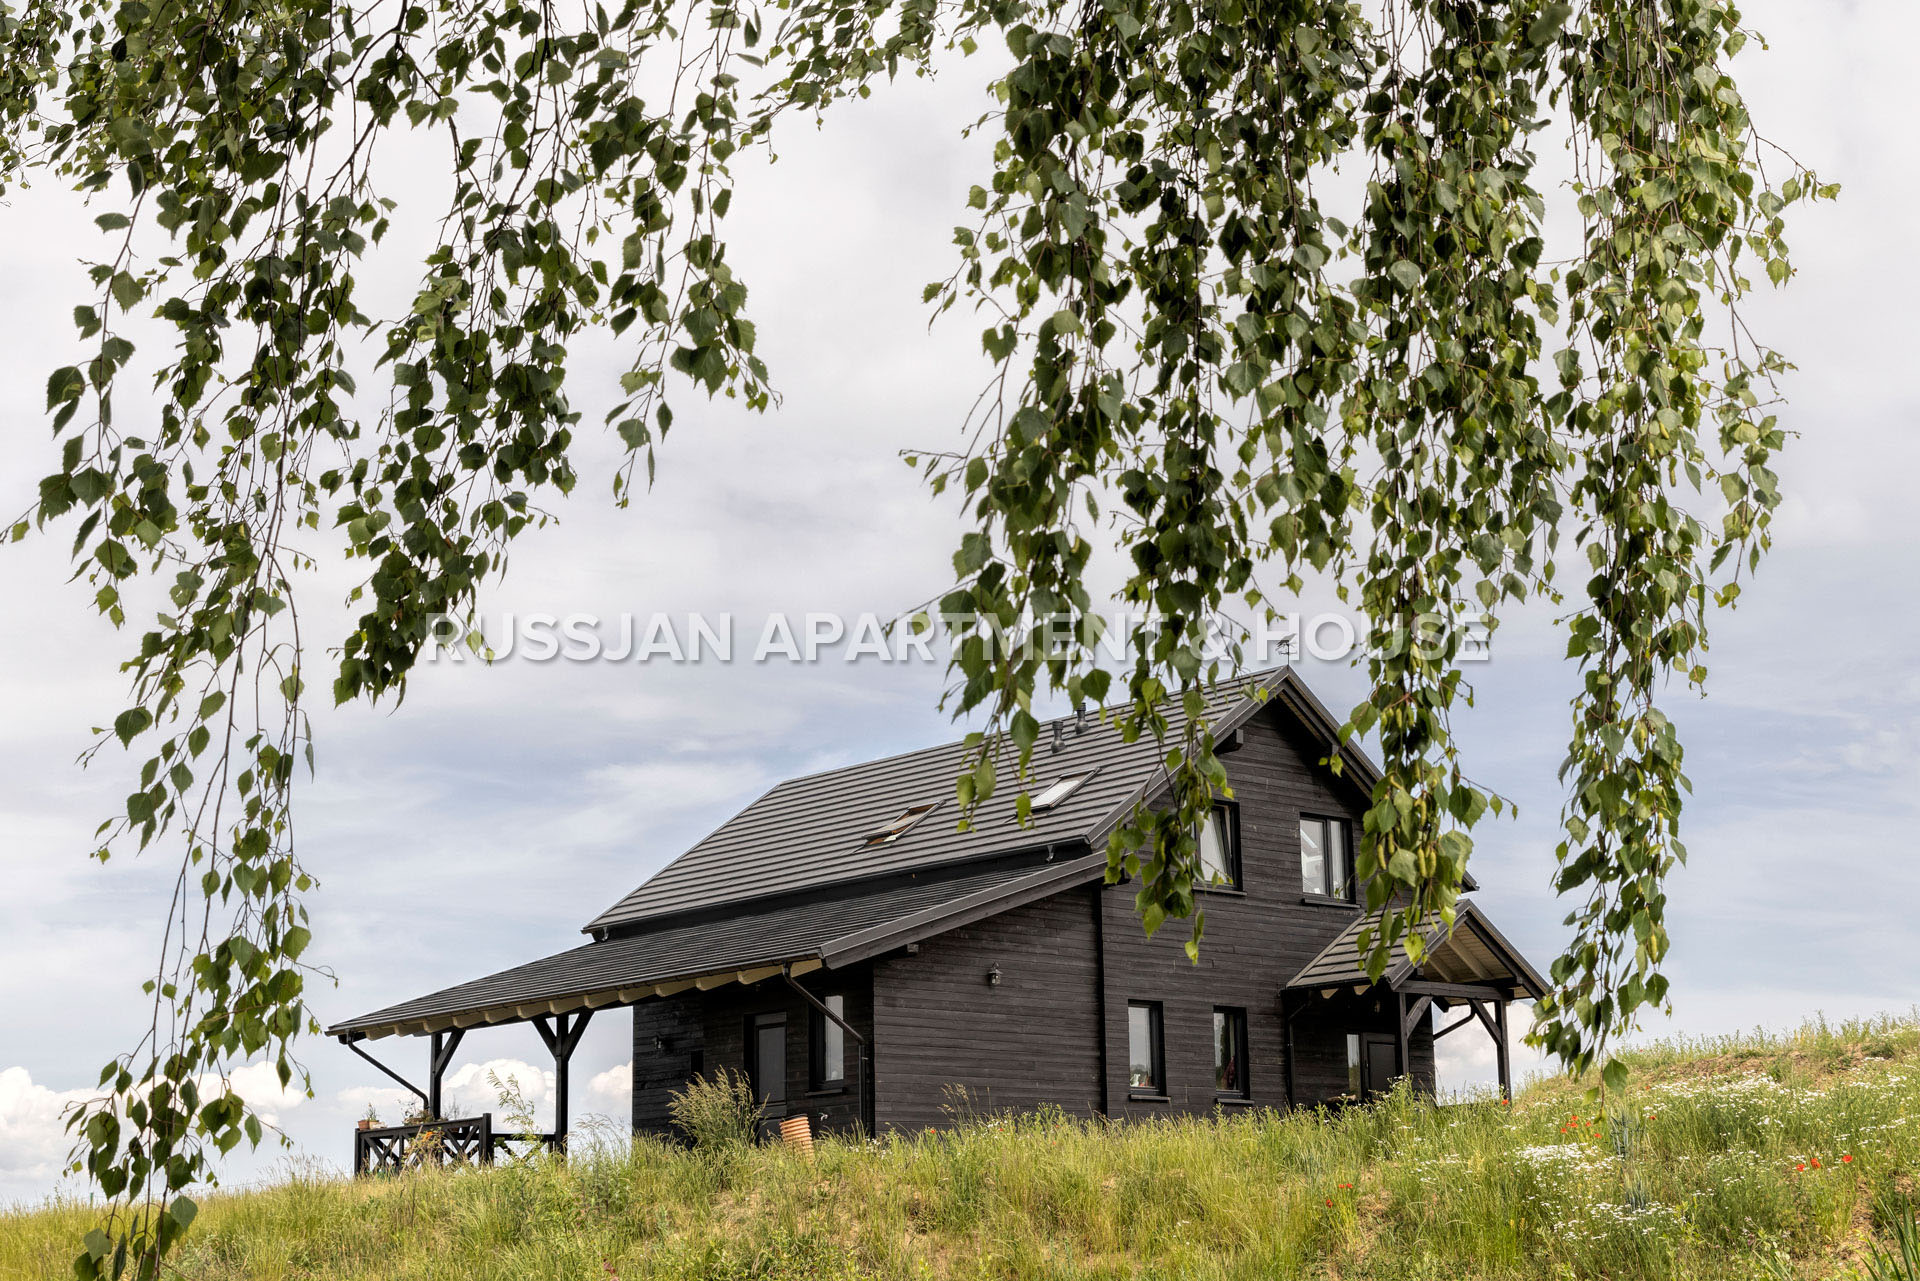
372	1027
870	942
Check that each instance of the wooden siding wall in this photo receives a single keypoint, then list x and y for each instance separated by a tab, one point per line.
715	1022
1256	940
1032	1039
657	1074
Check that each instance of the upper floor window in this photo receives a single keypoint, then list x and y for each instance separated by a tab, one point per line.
829	1042
1230	1052
1146	1055
1326	859
1220	848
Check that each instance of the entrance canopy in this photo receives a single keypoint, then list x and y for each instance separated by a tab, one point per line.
1475	958
1471	965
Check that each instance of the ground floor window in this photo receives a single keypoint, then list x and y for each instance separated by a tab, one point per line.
829	1043
1146	1057
1230	1052
1356	1083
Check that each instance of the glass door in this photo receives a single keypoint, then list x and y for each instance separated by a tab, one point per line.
1382	1063
767	1061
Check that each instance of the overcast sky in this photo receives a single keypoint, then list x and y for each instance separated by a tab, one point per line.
485	822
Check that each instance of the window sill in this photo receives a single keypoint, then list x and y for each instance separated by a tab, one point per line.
1232	1101
1135	1096
1225	891
1325	900
827	1092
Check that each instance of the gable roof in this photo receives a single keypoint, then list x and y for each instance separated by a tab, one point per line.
812	831
789	883
1473	953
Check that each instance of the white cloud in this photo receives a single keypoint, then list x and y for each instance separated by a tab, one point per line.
33	1138
471	1085
1465	1060
615	1085
259	1084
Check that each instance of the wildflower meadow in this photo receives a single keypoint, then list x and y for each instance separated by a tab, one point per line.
1791	1156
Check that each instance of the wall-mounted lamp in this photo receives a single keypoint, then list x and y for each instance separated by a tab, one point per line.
993	977
661	1044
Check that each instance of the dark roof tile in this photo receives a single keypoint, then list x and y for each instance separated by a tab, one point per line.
812	831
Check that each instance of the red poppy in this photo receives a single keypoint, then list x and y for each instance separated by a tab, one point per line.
1816	1163
1800	1168
1329	1200
1847	1157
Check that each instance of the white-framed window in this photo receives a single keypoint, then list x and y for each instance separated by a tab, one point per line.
1326	856
1220	848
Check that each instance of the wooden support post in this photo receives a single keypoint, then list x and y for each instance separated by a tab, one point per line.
561	1036
1501	1054
1400	1032
440	1058
1415	1010
561	1062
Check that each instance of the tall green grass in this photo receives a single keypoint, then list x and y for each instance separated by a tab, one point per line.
1756	1157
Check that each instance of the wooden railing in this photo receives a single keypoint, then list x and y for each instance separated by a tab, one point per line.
469	1141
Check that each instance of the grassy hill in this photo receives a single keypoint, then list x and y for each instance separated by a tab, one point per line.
1760	1157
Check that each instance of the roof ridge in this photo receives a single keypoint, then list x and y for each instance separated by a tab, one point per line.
720	866
1245	677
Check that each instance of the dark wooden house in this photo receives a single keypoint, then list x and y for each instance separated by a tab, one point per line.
843	943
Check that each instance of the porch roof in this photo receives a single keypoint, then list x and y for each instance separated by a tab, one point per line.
798	935
1474	954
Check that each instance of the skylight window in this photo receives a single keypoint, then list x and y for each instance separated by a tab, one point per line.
893	831
1058	792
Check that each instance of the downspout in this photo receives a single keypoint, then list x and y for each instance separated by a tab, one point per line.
1287	1017
861	1095
1100	983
